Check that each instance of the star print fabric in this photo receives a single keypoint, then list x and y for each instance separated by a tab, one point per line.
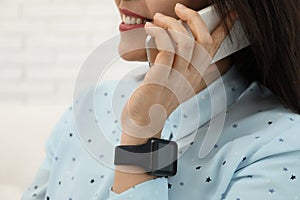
257	155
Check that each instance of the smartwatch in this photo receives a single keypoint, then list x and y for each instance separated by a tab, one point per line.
157	156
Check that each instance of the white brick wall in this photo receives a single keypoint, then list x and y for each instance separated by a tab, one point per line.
44	42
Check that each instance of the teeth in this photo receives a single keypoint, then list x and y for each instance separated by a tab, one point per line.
133	20
127	20
139	21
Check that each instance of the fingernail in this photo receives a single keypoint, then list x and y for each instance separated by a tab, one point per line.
180	6
149	24
159	15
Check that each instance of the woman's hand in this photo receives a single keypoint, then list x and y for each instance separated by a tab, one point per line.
177	73
175	77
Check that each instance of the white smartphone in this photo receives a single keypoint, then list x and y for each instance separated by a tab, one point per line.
239	40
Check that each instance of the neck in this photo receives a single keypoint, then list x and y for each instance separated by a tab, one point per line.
215	71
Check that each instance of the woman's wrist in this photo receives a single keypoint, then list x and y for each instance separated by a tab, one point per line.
127	176
124	180
130	139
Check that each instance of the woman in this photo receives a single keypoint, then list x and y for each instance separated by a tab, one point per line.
257	154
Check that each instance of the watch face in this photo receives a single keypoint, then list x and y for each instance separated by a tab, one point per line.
164	157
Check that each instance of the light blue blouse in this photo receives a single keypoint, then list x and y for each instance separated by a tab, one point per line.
256	156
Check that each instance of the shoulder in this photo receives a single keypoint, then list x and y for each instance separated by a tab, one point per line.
268	160
259	127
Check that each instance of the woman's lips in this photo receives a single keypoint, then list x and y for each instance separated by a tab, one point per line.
131	20
126	27
130	13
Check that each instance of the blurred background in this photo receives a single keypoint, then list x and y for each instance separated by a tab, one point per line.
42	46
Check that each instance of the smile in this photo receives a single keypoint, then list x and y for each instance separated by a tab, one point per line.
131	20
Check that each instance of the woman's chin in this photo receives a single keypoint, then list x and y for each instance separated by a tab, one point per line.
132	45
135	55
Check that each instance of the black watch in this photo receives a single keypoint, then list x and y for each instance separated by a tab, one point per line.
158	157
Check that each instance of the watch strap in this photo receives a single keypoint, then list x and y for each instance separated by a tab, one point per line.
158	157
133	155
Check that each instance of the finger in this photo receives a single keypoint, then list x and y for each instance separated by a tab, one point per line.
167	22
219	34
201	59
184	43
164	45
196	24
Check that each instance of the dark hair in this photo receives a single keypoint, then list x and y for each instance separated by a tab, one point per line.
272	27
